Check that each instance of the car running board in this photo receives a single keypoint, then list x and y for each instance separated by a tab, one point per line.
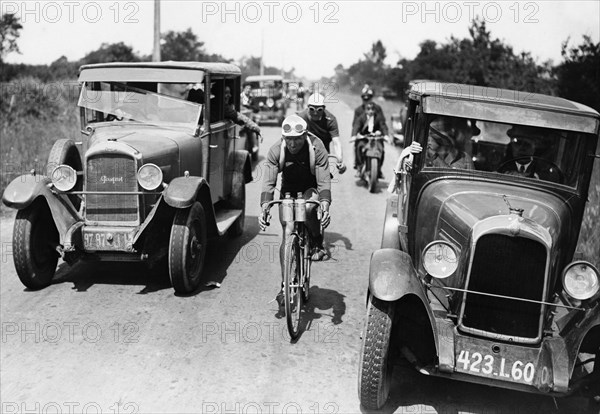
225	218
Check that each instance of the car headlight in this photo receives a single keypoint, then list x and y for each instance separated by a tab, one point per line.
150	177
63	177
270	102
440	259
580	280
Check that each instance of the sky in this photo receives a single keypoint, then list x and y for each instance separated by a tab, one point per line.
313	37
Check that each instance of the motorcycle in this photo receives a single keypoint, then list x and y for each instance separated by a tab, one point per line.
371	156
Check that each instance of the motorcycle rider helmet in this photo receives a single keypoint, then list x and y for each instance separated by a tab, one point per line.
367	94
316	99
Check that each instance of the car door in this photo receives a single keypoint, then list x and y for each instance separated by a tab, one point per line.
218	142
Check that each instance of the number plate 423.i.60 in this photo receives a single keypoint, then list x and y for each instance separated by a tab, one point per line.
504	362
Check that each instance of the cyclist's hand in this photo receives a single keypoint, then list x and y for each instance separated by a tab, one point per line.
377	133
325	217
263	219
341	167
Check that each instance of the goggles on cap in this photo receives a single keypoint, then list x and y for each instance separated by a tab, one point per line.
288	128
316	108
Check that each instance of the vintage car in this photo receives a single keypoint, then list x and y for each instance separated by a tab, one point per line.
159	170
268	97
476	278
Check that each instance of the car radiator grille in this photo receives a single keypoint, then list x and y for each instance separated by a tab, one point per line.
111	173
509	266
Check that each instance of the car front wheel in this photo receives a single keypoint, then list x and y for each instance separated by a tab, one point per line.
375	363
35	239
187	248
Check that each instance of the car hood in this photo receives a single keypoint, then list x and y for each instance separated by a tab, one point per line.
156	145
455	208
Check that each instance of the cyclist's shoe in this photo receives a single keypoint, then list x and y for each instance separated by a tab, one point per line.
279	298
380	176
318	254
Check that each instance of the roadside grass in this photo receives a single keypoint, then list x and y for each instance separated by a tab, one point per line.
32	117
588	245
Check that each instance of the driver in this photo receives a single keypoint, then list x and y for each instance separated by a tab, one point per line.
521	157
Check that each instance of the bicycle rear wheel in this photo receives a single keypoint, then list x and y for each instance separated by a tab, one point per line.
291	281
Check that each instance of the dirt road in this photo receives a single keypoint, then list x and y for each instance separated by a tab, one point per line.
106	338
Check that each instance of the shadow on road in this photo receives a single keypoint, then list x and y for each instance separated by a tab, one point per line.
219	255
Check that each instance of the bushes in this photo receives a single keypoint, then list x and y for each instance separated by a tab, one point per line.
33	115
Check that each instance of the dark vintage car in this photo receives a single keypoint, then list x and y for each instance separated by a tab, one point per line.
159	170
268	98
476	278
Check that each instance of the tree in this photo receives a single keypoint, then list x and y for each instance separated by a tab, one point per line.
10	28
113	52
579	74
182	46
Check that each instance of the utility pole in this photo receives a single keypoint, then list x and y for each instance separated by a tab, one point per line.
156	51
262	52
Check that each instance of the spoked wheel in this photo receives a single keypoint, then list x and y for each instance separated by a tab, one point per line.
187	248
34	242
291	281
373	174
375	363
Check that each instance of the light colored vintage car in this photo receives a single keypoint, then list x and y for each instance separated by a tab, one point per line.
158	172
476	278
268	97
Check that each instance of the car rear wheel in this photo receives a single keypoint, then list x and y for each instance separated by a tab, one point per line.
187	248
375	363
35	239
64	152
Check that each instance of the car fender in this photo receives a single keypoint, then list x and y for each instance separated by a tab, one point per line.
392	275
574	327
24	190
182	192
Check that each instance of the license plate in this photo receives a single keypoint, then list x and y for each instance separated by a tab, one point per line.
107	239
494	366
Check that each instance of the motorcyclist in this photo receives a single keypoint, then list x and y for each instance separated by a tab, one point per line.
298	176
367	97
370	122
324	125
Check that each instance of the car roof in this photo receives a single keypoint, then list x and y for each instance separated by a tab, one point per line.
256	78
481	102
169	71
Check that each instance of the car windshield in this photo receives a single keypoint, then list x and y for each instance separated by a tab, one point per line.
109	101
268	88
523	151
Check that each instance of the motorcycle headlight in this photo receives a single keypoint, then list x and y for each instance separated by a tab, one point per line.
580	280
270	102
150	177
440	259
63	177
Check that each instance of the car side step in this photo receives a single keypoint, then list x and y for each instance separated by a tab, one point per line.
225	218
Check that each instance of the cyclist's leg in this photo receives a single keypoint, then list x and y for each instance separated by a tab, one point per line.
313	224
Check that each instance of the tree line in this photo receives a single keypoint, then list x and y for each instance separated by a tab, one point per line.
481	59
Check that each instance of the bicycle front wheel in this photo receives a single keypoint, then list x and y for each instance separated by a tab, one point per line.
306	280
291	281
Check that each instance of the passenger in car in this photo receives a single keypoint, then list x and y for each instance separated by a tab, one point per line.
235	116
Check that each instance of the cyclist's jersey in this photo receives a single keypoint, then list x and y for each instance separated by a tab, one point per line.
296	171
326	128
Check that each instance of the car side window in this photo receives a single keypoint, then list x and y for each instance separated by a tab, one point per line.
217	100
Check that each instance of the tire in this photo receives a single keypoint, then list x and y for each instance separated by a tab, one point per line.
35	238
292	296
187	248
375	366
373	174
64	151
238	201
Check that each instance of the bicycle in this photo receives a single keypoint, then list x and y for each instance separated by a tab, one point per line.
297	257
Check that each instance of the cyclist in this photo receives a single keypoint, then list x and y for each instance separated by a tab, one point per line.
302	161
324	125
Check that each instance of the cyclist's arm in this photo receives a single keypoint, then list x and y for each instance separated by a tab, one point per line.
336	146
270	169
322	173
